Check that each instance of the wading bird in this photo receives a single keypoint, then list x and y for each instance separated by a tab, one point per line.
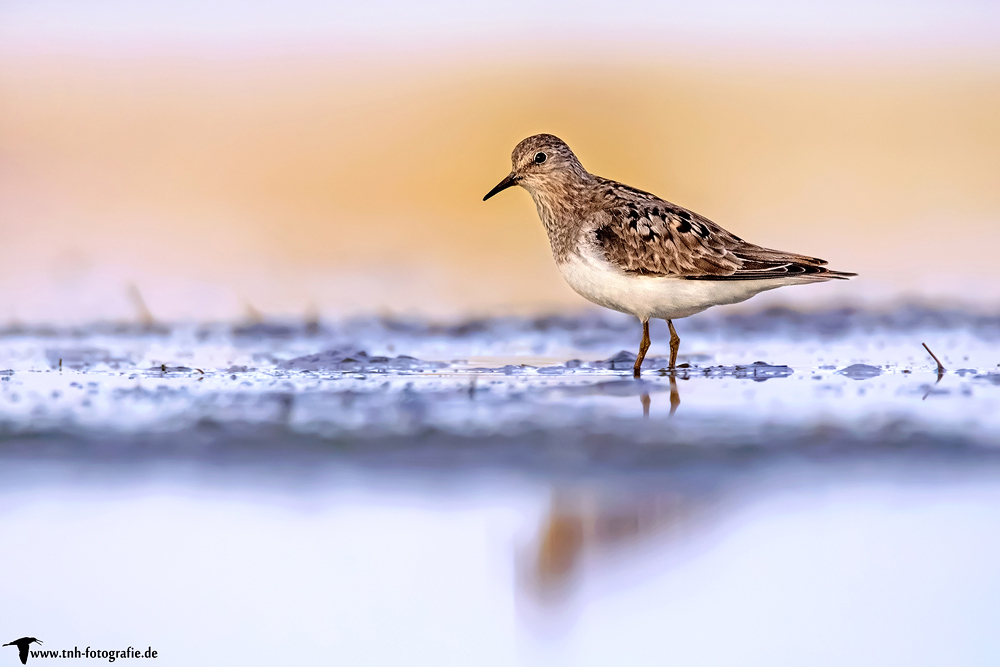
631	251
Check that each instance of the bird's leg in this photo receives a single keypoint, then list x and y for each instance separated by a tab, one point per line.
643	346
675	396
675	343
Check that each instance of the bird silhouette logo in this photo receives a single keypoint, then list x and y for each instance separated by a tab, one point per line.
22	647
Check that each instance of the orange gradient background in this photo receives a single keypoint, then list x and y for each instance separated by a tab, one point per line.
299	181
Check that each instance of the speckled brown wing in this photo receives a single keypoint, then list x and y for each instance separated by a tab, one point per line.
645	235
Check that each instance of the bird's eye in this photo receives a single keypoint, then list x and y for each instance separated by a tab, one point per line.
540	158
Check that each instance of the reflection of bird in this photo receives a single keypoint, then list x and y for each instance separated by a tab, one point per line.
631	251
598	527
22	647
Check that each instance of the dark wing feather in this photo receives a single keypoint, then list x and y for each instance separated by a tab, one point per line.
643	234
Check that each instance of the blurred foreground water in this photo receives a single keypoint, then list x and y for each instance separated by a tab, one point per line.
806	489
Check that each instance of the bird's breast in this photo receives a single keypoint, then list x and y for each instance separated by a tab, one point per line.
651	297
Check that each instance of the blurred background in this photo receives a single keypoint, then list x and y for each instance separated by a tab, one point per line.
287	158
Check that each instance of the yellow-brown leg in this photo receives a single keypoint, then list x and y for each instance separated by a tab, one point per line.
643	346
675	343
675	396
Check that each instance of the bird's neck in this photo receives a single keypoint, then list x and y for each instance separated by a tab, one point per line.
562	207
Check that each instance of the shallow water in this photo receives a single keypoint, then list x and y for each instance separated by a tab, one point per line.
806	489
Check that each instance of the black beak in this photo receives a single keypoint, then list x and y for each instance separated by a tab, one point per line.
502	185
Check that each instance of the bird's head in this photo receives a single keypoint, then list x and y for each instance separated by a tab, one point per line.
540	162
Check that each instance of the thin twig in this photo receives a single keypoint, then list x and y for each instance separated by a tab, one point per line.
940	366
142	311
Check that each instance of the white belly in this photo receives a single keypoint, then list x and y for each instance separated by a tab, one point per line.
656	297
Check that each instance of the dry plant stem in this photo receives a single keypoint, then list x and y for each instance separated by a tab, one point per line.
145	316
643	347
940	366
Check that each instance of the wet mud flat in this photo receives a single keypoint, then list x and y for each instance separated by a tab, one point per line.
384	491
545	394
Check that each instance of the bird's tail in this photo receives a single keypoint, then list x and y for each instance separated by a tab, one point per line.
840	275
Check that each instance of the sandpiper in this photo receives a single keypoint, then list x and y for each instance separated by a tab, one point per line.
631	251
